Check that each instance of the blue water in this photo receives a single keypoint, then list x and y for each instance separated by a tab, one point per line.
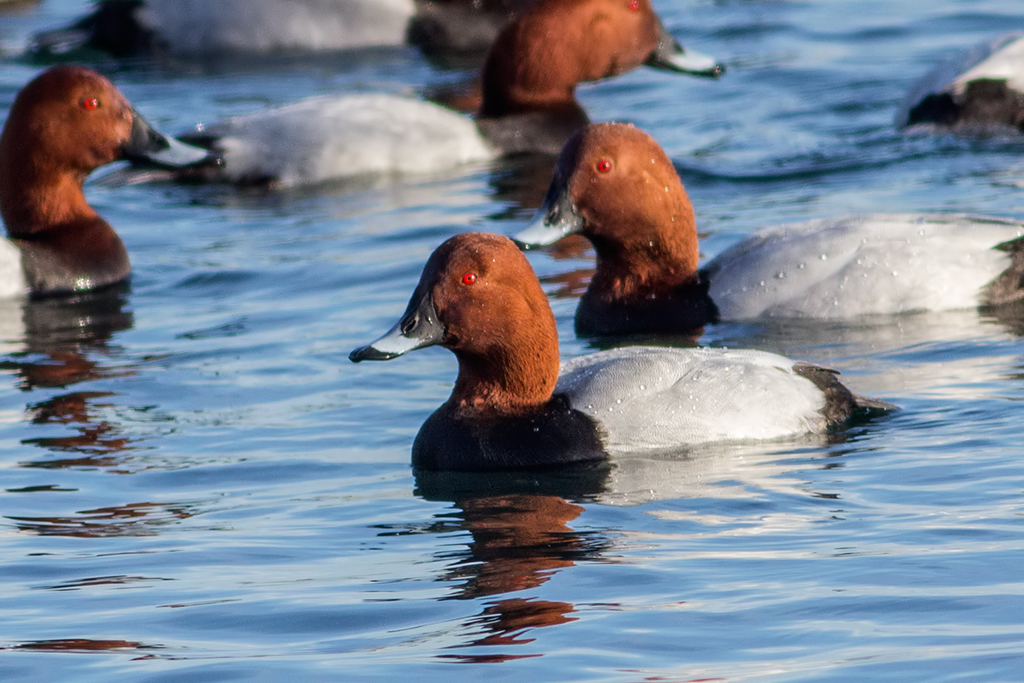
196	485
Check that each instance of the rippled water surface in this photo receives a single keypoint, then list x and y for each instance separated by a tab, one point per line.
196	484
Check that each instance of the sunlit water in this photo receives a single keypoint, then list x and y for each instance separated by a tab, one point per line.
197	485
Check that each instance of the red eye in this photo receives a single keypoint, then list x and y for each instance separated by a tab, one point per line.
469	278
604	166
90	103
634	5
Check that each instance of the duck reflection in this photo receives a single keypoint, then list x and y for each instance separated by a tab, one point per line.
61	334
519	525
83	645
133	519
64	341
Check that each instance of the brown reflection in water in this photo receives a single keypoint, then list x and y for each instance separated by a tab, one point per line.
518	542
133	519
83	645
68	332
66	342
99	441
570	284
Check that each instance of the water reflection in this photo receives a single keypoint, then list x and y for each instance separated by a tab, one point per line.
133	519
520	182
59	336
83	645
520	537
62	341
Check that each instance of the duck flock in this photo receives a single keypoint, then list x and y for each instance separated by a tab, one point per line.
632	345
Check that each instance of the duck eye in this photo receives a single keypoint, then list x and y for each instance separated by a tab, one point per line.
469	278
604	166
90	103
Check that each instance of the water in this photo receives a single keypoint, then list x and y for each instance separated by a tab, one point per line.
198	486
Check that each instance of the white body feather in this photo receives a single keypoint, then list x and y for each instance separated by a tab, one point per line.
648	398
12	276
336	137
865	265
190	27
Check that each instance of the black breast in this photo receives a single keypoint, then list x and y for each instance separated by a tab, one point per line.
553	435
984	102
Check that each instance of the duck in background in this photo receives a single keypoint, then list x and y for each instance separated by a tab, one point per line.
980	90
512	407
194	29
64	124
616	186
528	105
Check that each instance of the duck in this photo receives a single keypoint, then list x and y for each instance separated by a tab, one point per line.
63	124
981	90
514	405
200	29
616	186
528	104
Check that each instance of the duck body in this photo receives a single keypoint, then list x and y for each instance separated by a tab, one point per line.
528	104
650	398
981	90
336	137
63	124
204	28
618	188
196	28
868	265
514	406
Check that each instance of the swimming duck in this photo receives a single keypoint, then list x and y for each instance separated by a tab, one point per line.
514	407
981	89
616	186
65	123
528	83
202	28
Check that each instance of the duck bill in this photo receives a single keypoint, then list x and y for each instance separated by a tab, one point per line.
147	144
669	55
418	329
556	218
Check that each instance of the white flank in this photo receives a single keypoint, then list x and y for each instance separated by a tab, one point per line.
337	137
864	265
649	398
1006	63
12	277
191	27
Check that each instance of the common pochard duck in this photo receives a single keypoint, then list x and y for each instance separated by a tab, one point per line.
65	123
982	89
616	186
514	407
203	28
528	104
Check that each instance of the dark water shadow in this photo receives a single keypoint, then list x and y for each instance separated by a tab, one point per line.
63	342
519	537
63	336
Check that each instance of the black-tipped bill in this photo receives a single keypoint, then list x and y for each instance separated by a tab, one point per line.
671	56
150	145
555	219
417	329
